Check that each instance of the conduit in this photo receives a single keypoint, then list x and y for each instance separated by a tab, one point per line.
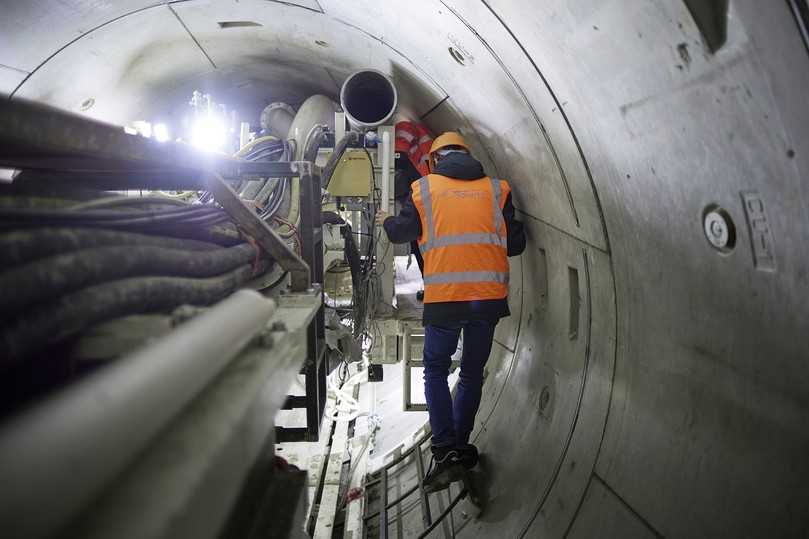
22	246
58	275
70	314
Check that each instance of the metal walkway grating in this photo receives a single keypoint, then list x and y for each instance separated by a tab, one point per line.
397	506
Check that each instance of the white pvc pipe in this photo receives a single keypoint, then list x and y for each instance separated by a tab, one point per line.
58	456
385	170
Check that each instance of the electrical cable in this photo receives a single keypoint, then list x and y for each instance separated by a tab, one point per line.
351	137
37	281
124	200
37	214
68	315
22	246
253	143
198	215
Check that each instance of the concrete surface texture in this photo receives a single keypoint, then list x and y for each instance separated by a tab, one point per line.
648	383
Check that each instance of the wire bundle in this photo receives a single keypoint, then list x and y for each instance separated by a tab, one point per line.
65	270
267	194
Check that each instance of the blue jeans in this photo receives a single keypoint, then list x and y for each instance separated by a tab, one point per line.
452	422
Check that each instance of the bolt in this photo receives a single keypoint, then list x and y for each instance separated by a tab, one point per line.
716	228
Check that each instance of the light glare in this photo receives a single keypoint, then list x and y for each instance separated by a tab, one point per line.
208	134
161	132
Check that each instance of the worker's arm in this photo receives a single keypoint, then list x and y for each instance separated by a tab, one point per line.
406	226
515	241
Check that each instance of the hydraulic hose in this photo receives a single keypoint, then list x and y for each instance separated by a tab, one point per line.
70	314
225	233
34	214
38	281
112	219
22	246
313	142
352	137
253	144
124	200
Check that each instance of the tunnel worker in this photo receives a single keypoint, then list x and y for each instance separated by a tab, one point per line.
464	223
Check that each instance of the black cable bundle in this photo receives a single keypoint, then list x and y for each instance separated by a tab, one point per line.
65	270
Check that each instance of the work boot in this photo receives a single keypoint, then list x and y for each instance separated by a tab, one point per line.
420	295
445	467
468	456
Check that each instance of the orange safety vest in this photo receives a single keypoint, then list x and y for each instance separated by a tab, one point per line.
463	237
415	141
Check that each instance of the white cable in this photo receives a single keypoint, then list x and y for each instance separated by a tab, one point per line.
345	407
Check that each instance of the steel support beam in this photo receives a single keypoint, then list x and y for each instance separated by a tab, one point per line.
265	236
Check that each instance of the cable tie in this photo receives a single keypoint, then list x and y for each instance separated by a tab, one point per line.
256	247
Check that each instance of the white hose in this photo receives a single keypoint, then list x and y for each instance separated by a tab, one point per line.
345	407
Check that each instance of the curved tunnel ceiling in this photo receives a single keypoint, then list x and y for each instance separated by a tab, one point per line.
647	384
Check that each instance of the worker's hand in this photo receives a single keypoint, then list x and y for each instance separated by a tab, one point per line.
381	216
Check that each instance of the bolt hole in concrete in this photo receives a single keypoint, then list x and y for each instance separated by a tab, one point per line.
544	398
682	50
321	43
87	104
237	24
719	228
457	55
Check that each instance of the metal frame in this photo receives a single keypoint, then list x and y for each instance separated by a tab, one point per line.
408	363
265	236
429	522
55	146
99	445
311	234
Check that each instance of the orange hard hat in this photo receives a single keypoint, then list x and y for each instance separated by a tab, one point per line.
449	138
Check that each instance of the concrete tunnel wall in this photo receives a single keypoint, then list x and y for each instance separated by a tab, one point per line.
646	384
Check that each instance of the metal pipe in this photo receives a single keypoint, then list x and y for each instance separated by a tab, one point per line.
317	109
276	118
59	456
244	134
368	98
340	303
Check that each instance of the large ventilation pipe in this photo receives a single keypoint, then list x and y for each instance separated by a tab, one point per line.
276	119
316	110
368	98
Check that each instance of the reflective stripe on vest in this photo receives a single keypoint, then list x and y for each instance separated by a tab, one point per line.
461	239
467	277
